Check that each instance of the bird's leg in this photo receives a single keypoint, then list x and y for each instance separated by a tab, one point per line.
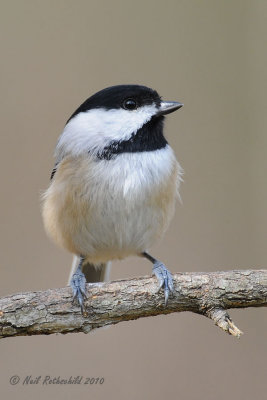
78	285
162	274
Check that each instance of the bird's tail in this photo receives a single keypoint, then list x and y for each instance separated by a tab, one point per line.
93	273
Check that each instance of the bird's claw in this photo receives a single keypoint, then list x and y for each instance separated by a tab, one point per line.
164	278
78	285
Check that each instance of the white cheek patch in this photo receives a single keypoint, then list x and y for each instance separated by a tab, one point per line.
95	129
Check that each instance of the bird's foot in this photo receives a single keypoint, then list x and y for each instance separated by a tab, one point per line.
164	278
78	286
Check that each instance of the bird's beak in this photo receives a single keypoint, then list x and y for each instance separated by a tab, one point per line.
167	107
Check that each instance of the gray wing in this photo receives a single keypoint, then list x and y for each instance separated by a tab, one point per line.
54	170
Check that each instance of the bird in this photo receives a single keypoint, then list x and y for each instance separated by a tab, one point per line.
114	184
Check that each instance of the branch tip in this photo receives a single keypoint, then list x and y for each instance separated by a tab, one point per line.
234	330
223	321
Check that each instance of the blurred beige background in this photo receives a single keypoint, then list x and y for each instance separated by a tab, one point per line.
210	55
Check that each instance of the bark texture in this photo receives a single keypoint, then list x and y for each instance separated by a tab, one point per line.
209	294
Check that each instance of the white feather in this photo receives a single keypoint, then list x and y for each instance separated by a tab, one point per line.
94	129
125	220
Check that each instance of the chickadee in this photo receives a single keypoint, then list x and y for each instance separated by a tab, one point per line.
114	184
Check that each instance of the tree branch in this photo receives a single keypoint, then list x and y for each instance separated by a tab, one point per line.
209	294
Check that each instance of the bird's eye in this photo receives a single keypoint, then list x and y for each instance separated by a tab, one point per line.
129	104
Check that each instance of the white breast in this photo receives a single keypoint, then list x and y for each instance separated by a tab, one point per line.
115	208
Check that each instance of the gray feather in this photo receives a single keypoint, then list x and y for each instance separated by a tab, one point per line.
95	274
